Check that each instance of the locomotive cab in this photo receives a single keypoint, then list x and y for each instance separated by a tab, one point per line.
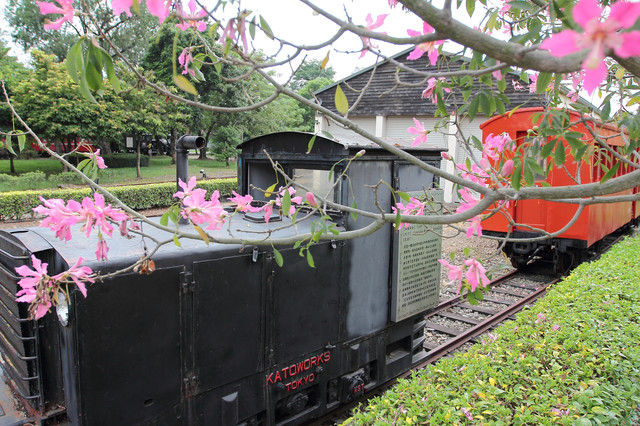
220	334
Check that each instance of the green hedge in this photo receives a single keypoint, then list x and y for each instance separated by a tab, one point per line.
20	204
115	161
572	359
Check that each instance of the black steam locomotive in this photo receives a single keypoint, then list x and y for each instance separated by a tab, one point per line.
219	334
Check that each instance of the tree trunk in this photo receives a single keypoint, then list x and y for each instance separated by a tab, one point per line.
12	168
138	174
172	145
203	154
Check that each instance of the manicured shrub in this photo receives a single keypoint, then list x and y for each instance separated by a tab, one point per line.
68	178
572	359
20	204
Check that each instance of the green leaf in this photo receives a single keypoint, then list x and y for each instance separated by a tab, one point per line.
9	146
84	163
311	142
74	61
174	213
327	134
610	173
111	72
278	257
560	155
297	244
22	140
84	89
252	28
544	79
176	241
94	77
316	236
485	104
548	148
466	251
164	219
442	108
406	197
473	107
202	234
286	202
342	104
471	299
266	28
398	221
529	175
310	259
184	84
471	6
517	176
354	205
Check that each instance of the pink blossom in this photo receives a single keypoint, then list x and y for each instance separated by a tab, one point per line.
476	174
430	91
200	211
475	224
79	274
446	156
102	248
95	156
455	273
35	287
311	199
120	6
229	32
556	327
476	274
393	3
243	203
94	213
268	211
494	145
59	217
541	318
428	47
196	20
517	86
188	189
467	413
504	9
371	25
420	131
184	59
469	200
159	8
414	208
497	74
66	10
294	200
600	33
507	168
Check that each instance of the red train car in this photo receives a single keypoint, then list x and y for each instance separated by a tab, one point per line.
531	218
68	145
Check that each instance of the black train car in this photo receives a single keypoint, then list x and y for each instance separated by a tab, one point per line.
219	334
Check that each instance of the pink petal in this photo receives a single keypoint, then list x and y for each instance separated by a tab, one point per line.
46	8
426	28
158	8
625	13
631	45
593	77
413	33
55	25
585	11
562	43
379	21
433	56
120	6
416	54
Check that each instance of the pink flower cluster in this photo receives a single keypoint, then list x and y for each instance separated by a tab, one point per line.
92	213
415	208
40	290
600	33
371	25
197	209
158	8
430	91
471	272
428	47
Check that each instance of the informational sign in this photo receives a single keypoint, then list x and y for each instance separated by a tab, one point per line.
416	270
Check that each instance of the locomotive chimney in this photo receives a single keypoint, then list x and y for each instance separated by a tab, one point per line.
184	144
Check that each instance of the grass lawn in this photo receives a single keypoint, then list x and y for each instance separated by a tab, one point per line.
160	169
